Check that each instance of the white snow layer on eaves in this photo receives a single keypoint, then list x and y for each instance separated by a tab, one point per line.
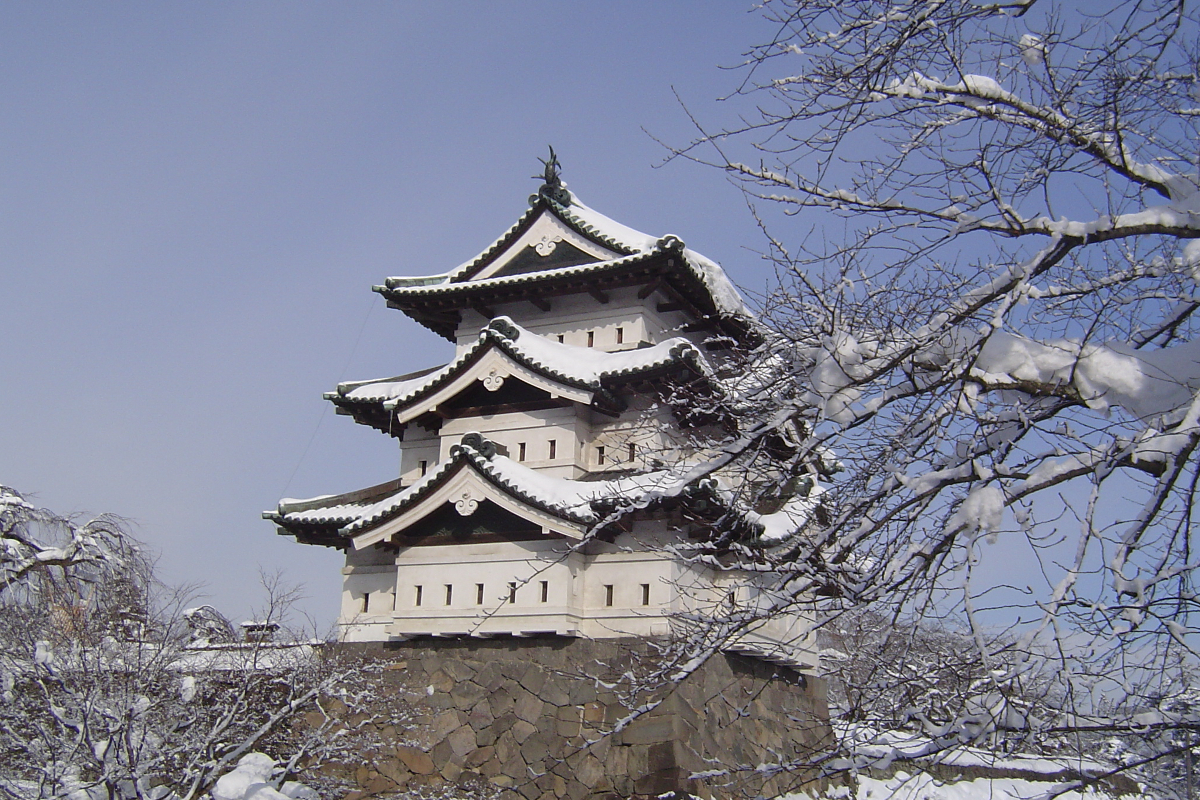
726	297
623	235
570	497
584	365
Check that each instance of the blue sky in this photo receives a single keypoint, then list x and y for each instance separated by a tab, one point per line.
195	199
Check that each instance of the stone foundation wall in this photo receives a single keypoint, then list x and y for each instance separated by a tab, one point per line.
534	719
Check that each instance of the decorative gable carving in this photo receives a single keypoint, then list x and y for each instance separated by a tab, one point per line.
546	244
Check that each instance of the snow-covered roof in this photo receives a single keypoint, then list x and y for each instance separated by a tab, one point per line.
361	518
574	502
615	248
594	372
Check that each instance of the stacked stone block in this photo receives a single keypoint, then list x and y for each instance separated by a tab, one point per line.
534	719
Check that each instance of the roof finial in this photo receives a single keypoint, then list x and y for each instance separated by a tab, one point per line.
552	187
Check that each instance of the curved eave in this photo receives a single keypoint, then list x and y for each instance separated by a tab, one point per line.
492	353
466	480
447	484
495	359
290	520
323	535
468	488
439	306
496	363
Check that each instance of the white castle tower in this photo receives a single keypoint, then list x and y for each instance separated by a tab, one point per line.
546	484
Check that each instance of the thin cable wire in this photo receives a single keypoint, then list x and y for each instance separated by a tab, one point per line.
325	406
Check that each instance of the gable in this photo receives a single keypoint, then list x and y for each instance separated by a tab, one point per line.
480	384
465	491
547	243
489	523
531	259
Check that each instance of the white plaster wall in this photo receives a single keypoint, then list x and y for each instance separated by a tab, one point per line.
418	444
376	582
574	316
651	430
495	566
577	600
566	426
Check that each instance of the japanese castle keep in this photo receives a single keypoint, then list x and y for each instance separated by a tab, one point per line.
544	499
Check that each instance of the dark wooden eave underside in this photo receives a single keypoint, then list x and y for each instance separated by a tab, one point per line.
441	311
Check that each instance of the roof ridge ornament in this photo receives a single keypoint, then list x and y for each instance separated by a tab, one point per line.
475	441
552	187
502	326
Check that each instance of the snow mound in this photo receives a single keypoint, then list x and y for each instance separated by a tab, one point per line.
249	780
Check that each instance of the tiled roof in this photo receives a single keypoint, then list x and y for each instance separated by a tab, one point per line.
582	223
594	370
701	279
336	519
346	515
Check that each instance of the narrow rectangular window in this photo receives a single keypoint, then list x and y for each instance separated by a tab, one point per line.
449	593
545	591
600	454
366	602
560	337
512	592
620	335
608	594
424	468
417	601
553	449
479	594
645	594
393	600
520	451
591	338
632	451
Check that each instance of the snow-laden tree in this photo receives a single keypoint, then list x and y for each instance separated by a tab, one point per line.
104	695
984	220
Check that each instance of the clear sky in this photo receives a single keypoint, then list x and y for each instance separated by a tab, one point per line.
195	199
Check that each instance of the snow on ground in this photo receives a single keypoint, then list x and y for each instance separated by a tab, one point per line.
921	786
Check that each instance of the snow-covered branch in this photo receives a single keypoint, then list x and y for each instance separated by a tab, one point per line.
1001	346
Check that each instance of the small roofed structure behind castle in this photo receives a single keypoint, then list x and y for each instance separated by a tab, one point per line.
546	478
